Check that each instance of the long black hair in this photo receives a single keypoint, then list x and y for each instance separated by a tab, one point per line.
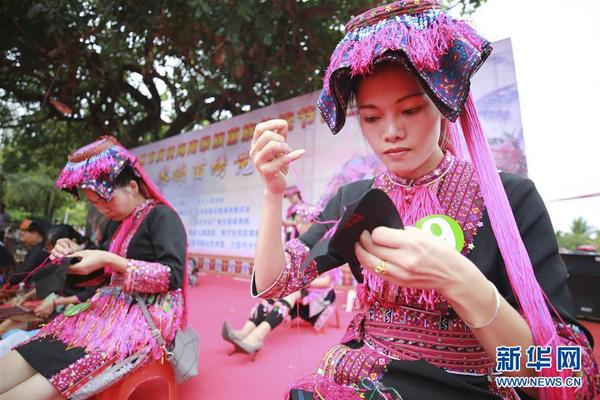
63	231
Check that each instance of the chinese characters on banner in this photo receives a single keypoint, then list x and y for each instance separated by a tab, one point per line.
209	177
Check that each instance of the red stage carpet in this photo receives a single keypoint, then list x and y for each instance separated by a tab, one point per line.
288	355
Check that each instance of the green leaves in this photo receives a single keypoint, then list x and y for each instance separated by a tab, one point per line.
144	71
581	234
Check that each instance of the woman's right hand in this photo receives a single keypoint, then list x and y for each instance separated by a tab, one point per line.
272	155
44	309
63	248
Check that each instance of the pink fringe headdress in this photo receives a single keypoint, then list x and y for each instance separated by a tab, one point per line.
95	167
442	54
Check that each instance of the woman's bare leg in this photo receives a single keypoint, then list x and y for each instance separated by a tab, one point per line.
259	334
35	388
13	371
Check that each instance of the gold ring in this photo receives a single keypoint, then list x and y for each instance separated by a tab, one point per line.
381	268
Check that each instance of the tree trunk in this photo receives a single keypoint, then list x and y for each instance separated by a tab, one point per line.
50	206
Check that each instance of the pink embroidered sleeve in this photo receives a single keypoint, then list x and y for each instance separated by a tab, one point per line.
572	335
146	277
294	275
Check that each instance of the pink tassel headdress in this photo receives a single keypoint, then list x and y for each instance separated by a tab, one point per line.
441	52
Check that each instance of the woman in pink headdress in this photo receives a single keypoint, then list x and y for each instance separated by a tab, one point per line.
449	305
82	352
298	214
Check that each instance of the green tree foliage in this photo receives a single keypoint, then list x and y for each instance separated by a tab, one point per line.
32	193
72	70
145	71
581	234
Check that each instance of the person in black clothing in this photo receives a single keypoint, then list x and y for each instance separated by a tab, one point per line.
33	235
4	220
53	279
7	261
68	289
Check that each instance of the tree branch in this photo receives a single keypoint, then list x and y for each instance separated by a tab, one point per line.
172	88
138	96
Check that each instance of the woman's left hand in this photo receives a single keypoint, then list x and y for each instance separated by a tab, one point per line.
91	260
414	259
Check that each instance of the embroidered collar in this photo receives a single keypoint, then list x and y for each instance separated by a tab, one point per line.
438	173
142	206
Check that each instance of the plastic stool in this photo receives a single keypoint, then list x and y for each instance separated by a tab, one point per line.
123	389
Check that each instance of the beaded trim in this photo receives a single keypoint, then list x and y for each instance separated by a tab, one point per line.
461	199
347	366
294	276
141	212
396	9
388	180
146	277
92	149
68	379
